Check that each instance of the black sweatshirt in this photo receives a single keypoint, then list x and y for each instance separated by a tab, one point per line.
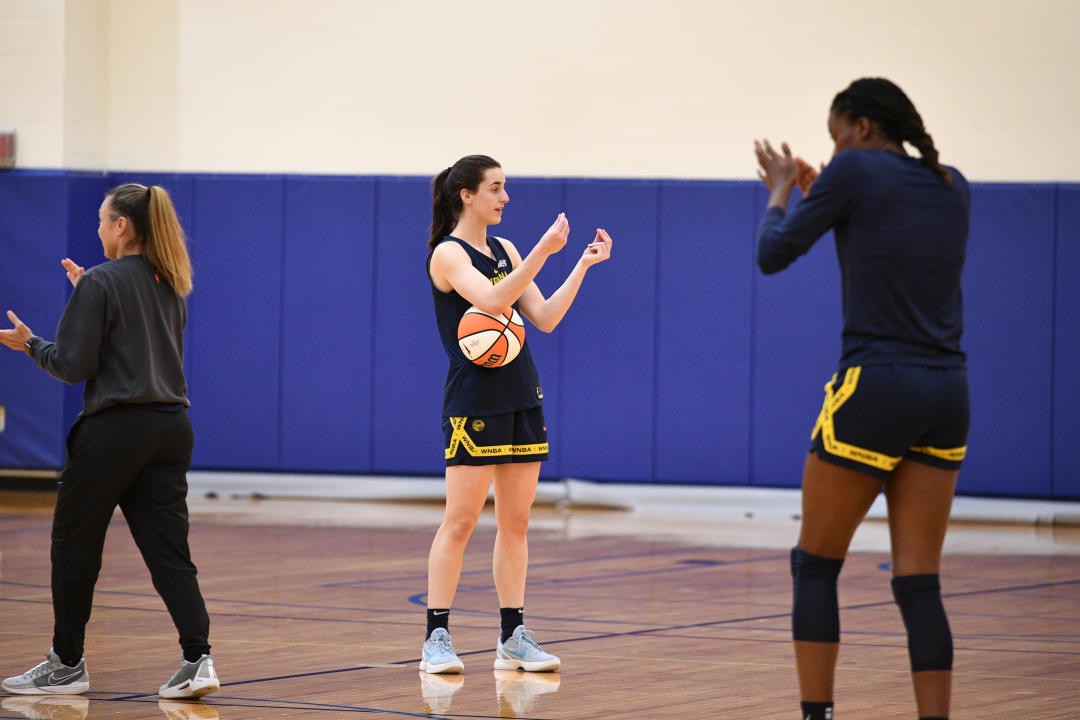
121	332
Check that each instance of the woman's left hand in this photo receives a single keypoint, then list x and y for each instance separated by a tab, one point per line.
598	250
16	337
777	170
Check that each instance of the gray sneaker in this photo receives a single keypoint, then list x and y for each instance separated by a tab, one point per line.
51	677
192	680
521	651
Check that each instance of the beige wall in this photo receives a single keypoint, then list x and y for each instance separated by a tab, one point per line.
563	87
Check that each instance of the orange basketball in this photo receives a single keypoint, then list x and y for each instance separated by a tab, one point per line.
490	340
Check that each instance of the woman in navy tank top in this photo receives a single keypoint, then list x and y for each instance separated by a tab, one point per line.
493	418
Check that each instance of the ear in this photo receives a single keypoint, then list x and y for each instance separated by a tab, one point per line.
466	196
863	128
121	225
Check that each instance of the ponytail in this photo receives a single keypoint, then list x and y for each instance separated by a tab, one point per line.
466	174
884	103
442	217
153	218
165	246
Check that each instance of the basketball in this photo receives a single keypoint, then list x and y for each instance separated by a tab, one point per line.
490	341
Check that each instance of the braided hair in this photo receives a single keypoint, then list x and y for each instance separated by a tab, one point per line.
881	101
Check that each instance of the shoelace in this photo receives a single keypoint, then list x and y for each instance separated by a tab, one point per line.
38	670
443	644
527	638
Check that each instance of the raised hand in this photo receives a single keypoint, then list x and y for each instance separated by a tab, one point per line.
805	175
16	337
555	238
775	169
74	270
598	250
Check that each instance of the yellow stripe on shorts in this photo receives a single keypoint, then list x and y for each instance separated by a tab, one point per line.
833	401
951	454
460	438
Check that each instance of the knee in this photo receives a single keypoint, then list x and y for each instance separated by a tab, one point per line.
459	528
815	614
514	523
929	638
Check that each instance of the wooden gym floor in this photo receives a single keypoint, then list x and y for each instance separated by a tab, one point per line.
317	611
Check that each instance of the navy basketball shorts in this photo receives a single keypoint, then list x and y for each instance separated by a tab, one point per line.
875	416
516	437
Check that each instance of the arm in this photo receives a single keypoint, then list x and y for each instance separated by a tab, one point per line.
451	268
783	237
547	313
76	354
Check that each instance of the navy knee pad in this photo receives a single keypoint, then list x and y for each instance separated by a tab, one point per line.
815	612
929	638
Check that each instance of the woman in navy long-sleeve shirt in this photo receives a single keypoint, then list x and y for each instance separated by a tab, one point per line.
896	413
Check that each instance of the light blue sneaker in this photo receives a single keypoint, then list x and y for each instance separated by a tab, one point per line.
521	651
438	654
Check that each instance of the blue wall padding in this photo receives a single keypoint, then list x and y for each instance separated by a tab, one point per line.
311	343
33	240
608	338
326	330
704	260
235	322
1066	385
1008	312
409	361
796	345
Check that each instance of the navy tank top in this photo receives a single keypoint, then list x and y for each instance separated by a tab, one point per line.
473	390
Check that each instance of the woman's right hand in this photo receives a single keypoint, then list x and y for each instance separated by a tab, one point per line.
74	271
555	238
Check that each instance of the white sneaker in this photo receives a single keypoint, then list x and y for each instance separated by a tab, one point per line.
521	651
438	656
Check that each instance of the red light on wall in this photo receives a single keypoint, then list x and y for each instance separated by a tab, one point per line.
7	148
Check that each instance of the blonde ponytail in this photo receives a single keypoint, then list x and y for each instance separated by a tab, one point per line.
166	248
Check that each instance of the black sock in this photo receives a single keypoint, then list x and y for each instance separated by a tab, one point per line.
511	618
817	710
437	618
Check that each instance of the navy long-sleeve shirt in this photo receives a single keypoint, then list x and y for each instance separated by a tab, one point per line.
121	332
901	237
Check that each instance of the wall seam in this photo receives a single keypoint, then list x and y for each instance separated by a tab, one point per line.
655	449
375	185
1054	229
281	325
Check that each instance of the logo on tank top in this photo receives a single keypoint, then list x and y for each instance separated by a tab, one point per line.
477	425
502	264
539	393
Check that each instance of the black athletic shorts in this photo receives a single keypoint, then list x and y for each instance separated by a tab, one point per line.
515	437
875	416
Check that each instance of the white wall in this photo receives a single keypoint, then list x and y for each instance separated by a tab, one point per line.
562	87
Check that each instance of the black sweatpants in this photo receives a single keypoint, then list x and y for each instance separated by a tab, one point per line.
136	458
